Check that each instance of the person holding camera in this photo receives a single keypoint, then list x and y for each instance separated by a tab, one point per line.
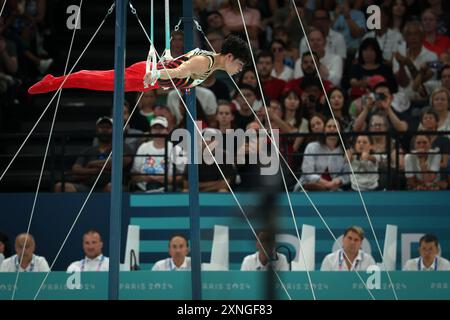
380	101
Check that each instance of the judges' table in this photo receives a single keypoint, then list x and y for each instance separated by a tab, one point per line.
233	285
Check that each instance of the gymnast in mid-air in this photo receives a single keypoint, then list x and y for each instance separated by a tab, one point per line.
186	71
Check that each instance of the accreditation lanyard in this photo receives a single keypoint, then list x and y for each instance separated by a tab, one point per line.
16	262
83	263
172	265
419	264
341	262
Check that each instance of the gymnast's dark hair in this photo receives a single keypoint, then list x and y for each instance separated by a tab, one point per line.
237	47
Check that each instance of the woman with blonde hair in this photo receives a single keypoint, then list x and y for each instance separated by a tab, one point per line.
440	101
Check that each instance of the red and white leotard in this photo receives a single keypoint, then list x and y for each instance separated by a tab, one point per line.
103	80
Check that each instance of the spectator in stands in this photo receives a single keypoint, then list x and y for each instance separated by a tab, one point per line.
243	115
22	22
164	111
132	142
308	70
381	146
422	166
331	64
178	251
210	178
4	247
233	20
429	259
442	13
273	87
316	125
176	43
293	116
216	23
287	17
291	53
248	174
429	122
8	65
364	163
216	39
388	39
370	63
89	164
399	15
25	260
381	104
324	167
335	42
339	107
313	100
224	117
206	106
94	259
141	119
248	77
443	80
350	257
411	60
440	101
433	40
280	70
351	23
150	164
445	77
266	258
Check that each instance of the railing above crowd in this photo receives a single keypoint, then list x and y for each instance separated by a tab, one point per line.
75	159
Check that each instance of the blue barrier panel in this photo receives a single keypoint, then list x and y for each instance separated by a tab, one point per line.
233	285
161	215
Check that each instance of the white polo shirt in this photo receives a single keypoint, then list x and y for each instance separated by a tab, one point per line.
99	263
335	262
332	62
335	44
439	264
169	265
424	56
252	263
37	264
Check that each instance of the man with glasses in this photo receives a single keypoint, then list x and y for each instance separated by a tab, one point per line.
380	101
